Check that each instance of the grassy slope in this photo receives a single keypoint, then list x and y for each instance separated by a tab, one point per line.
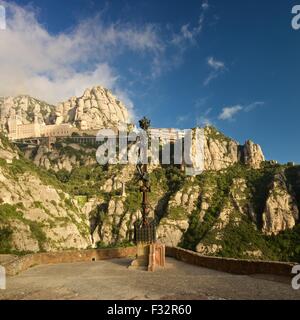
16	211
246	236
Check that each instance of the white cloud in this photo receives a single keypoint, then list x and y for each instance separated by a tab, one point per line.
216	65
179	42
253	105
217	68
56	67
171	53
228	112
205	5
189	33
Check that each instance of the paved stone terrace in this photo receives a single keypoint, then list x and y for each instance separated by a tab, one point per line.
110	279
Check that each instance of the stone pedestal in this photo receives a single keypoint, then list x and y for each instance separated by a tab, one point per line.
149	257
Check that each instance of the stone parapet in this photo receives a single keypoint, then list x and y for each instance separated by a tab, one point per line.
20	264
234	266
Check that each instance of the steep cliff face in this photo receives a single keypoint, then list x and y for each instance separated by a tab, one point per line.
35	214
200	213
176	221
61	156
221	152
253	155
281	211
235	208
96	108
25	110
7	152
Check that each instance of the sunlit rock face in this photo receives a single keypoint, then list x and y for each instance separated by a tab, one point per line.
37	214
253	155
97	108
221	152
281	212
24	110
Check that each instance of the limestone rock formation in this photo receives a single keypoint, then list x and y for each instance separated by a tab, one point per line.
7	152
221	152
97	108
253	155
38	215
63	157
173	226
24	110
235	207
281	211
170	231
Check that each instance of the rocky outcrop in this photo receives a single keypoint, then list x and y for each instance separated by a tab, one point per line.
24	110
221	152
173	226
281	211
116	224
7	152
97	108
65	156
253	155
234	207
117	182
170	231
38	215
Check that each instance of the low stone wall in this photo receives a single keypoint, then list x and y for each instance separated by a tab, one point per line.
235	266
23	263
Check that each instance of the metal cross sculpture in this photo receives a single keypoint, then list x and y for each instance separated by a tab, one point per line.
145	229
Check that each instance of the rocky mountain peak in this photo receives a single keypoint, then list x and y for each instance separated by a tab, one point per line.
281	211
25	110
220	151
96	108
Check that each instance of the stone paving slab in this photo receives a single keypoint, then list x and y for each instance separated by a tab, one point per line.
111	279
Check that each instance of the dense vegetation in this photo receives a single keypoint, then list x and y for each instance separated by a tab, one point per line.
239	239
14	212
86	181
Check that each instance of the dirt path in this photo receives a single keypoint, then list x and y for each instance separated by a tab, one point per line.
111	279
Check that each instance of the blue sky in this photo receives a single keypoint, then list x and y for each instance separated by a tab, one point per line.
233	63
